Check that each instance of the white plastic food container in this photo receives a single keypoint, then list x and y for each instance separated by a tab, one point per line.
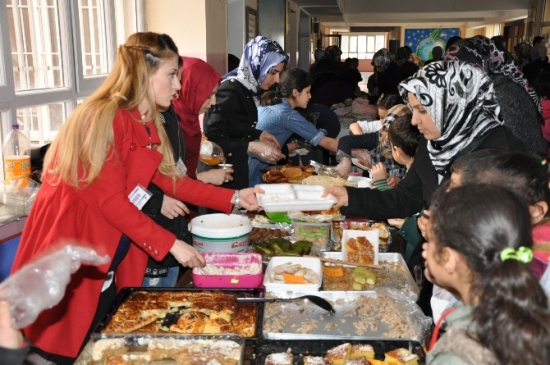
291	197
220	232
313	263
371	235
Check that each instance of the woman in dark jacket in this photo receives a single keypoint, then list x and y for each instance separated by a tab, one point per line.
520	106
455	108
231	123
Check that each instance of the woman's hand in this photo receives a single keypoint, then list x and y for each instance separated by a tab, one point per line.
265	152
10	337
355	129
171	208
215	176
396	222
187	255
339	192
427	272
248	198
422	223
267	137
393	181
378	172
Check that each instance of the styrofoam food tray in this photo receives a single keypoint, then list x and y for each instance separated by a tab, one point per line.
373	236
310	262
362	182
235	261
291	197
356	162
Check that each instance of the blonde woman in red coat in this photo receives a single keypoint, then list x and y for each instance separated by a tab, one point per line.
113	144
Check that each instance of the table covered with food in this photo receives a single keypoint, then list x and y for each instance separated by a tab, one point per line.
311	287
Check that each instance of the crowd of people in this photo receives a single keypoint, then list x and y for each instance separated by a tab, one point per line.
471	197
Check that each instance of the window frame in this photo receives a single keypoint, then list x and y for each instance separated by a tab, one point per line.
77	87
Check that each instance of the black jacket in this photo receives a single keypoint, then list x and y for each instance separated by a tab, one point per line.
231	123
178	225
420	182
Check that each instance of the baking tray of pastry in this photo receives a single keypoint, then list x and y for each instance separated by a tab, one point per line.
162	349
183	311
375	315
303	349
394	274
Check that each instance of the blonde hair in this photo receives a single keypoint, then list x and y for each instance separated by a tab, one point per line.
79	151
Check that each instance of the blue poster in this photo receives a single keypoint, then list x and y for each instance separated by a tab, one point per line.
423	40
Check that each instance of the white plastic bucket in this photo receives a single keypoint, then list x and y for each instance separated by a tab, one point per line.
220	232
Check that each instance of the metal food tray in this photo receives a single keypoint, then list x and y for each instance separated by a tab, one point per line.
404	281
302	320
303	348
123	295
136	344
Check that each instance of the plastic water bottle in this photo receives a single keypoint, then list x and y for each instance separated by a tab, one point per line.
17	161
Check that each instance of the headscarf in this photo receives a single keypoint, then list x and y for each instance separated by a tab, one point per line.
484	53
461	100
259	57
381	58
197	82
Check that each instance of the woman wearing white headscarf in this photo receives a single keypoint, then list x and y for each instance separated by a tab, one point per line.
231	123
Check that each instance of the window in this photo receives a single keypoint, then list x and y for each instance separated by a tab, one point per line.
53	54
361	46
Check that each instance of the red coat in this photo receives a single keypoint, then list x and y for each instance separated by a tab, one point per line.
98	215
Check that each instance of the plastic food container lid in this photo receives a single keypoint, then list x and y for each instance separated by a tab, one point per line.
219	225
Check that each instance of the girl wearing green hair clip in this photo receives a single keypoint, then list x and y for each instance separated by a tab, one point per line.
479	248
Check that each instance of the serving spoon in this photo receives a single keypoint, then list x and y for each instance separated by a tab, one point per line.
318	301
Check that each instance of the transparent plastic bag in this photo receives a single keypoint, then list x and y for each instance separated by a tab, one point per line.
41	285
264	152
409	311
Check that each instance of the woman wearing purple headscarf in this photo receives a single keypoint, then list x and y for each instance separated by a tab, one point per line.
231	123
520	106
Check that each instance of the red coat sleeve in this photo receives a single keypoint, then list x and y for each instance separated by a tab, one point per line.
196	192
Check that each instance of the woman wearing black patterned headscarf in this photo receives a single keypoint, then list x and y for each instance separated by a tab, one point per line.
455	108
520	106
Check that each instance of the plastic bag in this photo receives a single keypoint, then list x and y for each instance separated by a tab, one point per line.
264	152
41	285
409	312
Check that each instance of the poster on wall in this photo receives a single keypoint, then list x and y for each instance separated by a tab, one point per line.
423	40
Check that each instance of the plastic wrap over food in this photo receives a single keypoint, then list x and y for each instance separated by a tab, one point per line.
41	284
409	311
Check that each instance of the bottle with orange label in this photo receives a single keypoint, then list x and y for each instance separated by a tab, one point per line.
17	161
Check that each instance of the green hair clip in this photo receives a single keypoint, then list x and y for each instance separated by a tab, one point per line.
522	254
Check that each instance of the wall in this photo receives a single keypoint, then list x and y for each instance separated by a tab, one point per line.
272	19
198	27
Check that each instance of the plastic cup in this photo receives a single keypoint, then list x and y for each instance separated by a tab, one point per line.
225	166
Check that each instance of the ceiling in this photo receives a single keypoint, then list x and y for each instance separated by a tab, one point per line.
360	15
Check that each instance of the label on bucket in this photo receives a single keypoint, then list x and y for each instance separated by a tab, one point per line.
231	244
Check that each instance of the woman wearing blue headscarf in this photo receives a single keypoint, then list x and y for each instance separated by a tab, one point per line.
231	123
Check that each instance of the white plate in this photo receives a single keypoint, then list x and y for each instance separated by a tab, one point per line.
373	236
356	162
291	197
